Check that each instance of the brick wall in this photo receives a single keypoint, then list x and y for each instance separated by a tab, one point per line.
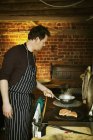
71	42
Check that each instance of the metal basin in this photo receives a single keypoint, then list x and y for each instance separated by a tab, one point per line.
66	98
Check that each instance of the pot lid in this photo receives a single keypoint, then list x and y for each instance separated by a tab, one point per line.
89	97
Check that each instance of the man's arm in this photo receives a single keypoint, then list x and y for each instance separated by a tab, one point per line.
7	109
45	90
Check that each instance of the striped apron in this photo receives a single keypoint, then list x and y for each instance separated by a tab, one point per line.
19	126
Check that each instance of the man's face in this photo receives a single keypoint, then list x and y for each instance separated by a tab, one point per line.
39	44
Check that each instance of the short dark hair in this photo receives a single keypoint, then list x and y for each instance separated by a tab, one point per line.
38	31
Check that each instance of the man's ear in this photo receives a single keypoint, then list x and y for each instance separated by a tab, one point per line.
37	39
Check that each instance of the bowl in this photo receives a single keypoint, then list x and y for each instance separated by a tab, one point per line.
66	98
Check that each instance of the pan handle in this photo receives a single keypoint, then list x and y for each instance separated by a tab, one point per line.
56	97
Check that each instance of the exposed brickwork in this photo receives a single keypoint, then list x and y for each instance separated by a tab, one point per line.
70	43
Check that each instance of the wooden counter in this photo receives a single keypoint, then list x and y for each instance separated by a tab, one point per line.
70	136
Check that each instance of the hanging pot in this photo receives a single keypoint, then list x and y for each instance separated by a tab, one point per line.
89	97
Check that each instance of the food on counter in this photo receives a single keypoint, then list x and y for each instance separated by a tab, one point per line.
72	114
66	112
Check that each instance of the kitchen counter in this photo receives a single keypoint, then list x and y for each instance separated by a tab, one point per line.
56	83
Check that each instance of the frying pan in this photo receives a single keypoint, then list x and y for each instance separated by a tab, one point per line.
65	98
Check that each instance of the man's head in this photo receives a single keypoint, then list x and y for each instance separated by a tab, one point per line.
37	37
38	31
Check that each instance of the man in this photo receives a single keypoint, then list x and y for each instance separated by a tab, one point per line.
18	79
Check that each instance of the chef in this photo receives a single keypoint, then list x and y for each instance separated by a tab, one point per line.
17	81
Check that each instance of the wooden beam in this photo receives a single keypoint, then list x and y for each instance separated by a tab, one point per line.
35	8
49	12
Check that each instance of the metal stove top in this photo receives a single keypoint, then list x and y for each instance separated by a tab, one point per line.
52	112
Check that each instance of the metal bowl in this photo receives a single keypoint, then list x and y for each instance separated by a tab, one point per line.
66	98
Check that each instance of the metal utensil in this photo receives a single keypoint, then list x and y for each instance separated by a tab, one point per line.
57	98
69	130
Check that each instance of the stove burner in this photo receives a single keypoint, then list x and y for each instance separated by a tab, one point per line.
75	103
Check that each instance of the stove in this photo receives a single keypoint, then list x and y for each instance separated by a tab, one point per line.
52	118
64	78
52	114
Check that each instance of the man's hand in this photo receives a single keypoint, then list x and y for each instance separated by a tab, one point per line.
7	110
47	92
